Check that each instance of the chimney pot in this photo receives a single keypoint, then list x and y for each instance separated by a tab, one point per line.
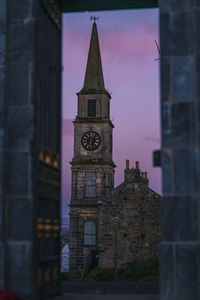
142	174
137	165
127	164
145	174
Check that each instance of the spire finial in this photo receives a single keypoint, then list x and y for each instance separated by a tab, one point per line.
94	18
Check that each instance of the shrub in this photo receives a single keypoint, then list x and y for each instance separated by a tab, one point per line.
146	270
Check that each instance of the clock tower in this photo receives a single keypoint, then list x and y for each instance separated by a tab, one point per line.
92	164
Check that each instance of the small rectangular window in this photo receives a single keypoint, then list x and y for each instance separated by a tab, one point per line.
91	108
90	184
89	233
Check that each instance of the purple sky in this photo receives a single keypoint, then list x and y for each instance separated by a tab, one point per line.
131	74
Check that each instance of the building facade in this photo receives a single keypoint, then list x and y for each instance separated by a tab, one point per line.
93	177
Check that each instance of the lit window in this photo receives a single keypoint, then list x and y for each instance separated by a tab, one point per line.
89	233
90	184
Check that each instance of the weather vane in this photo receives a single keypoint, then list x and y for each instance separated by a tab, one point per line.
94	18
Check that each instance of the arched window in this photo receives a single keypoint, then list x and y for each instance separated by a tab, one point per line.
89	233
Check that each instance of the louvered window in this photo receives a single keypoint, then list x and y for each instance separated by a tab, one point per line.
89	233
91	108
90	184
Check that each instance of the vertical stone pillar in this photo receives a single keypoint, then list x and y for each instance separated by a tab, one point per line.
180	96
3	5
17	62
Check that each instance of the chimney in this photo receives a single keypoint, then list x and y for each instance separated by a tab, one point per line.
127	164
145	174
137	165
142	174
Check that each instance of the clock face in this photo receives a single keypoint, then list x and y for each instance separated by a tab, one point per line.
90	140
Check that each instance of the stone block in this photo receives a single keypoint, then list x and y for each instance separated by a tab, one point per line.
167	283
197	28
198	75
185	171
196	3
166	121
180	5
167	177
164	5
18	173
180	39
20	206
2	92
183	123
2	43
183	72
19	268
1	138
166	94
187	264
1	173
20	127
21	47
22	11
179	218
165	33
175	32
1	217
3	9
178	123
18	89
2	266
198	121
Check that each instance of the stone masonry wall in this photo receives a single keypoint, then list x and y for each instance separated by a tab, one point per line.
17	77
180	104
104	181
129	225
80	255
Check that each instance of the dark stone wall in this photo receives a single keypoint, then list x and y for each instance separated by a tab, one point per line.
17	62
129	224
80	255
180	96
3	6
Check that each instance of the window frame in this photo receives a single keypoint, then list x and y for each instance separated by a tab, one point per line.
92	241
88	185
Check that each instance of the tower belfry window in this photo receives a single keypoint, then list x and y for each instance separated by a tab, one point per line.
91	108
90	184
89	233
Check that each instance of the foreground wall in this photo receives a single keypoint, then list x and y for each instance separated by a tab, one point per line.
29	148
17	63
180	95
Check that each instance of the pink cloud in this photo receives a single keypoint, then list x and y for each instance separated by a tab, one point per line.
123	47
117	46
152	138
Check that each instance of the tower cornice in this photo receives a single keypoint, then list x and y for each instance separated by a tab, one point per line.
92	161
93	120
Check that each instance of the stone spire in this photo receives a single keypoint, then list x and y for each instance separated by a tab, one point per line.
94	81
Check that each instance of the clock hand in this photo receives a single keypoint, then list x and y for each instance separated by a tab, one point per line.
91	142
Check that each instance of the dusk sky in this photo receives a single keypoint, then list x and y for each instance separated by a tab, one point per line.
131	74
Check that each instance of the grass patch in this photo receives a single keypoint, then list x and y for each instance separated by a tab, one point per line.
147	270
